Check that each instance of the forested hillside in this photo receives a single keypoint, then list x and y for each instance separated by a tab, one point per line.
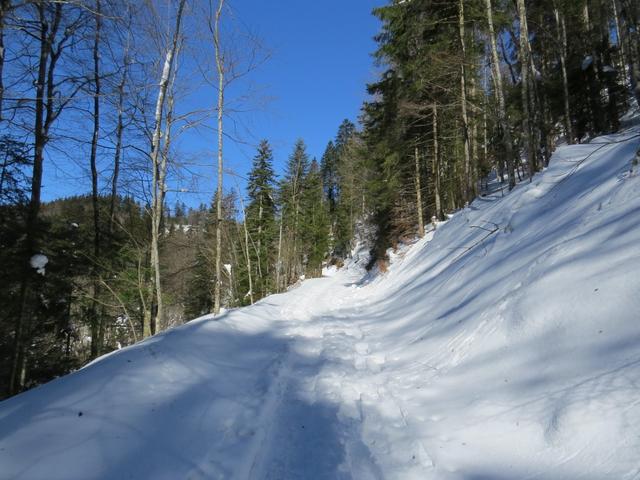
467	90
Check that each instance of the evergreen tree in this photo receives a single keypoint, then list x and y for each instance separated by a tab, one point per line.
314	223
261	219
329	170
290	194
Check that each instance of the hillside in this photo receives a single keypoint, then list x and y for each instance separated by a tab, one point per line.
504	345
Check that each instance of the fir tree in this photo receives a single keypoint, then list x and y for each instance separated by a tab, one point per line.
261	219
314	223
291	189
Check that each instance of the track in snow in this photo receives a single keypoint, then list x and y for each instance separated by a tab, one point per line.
329	395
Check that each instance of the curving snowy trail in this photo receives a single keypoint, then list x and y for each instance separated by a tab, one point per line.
504	345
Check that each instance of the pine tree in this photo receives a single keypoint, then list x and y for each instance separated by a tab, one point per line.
290	195
328	168
261	219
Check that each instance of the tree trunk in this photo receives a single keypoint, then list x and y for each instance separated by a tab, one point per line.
119	133
221	72
279	261
463	100
474	138
159	166
591	73
259	249
524	80
436	164
95	327
485	134
247	251
5	6
561	30
608	77
503	121
419	194
622	64
633	37
43	119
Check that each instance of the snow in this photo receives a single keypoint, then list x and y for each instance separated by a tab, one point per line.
329	270
503	345
39	262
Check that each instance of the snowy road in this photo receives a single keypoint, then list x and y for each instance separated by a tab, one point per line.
328	382
306	432
505	346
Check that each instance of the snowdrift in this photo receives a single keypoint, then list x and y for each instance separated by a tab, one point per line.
504	345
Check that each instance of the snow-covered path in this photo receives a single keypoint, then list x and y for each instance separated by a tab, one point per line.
506	345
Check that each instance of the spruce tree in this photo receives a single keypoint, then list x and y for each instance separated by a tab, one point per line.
290	195
314	224
261	219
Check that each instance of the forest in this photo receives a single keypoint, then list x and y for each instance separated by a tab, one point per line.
467	90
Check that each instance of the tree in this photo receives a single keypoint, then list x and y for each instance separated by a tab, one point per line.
525	61
52	28
290	195
159	168
314	225
503	121
261	217
220	68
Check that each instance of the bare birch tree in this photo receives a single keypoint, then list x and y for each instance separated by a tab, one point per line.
159	170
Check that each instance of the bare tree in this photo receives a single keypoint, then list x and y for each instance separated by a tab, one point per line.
5	8
158	164
96	330
503	121
117	157
220	67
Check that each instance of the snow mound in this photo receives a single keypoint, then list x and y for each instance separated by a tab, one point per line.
503	345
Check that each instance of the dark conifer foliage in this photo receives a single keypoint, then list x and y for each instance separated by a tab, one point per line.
261	219
433	127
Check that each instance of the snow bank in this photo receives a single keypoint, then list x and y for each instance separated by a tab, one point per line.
504	345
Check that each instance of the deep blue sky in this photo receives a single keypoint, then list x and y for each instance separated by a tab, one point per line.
320	65
316	76
320	62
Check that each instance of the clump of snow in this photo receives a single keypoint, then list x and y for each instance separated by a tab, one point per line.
39	262
503	345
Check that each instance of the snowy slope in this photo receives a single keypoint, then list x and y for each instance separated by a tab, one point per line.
504	346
